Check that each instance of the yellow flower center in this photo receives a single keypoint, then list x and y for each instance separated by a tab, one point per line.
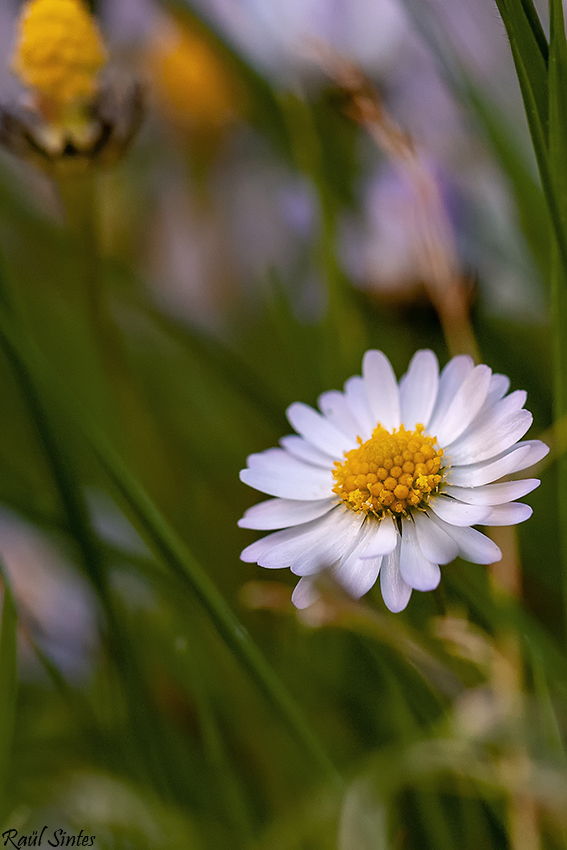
390	472
59	51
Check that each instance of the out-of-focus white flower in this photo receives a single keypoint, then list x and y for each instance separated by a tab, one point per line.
389	479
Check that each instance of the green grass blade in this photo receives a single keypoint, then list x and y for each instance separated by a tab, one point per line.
8	688
557	111
558	164
166	543
532	77
536	28
530	63
144	741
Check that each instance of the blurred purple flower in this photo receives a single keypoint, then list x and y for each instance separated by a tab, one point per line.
55	605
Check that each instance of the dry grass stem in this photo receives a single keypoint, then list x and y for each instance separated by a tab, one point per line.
437	254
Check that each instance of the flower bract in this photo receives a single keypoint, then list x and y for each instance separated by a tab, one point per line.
388	479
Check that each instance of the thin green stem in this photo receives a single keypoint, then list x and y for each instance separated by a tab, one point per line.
79	197
343	330
165	542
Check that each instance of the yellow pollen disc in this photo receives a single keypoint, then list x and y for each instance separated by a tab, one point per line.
392	472
59	50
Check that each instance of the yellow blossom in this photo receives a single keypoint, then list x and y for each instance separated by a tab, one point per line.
191	80
59	52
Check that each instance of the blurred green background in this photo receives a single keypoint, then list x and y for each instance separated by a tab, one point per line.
156	318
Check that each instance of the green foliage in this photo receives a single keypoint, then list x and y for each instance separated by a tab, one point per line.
206	712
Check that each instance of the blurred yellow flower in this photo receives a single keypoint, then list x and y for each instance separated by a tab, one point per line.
191	81
59	52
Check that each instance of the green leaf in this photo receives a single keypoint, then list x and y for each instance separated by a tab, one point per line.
533	80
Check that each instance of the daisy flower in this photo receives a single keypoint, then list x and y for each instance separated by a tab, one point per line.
388	480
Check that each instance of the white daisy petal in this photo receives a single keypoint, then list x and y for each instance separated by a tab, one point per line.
318	430
395	591
260	548
301	484
416	570
464	405
435	543
512	402
276	461
501	409
353	574
510	514
477	474
300	449
418	389
308	548
538	451
311	547
381	389
305	593
457	513
283	545
493	494
283	548
357	575
499	386
450	380
339	539
384	538
357	399
283	513
277	473
334	406
470	543
495	436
